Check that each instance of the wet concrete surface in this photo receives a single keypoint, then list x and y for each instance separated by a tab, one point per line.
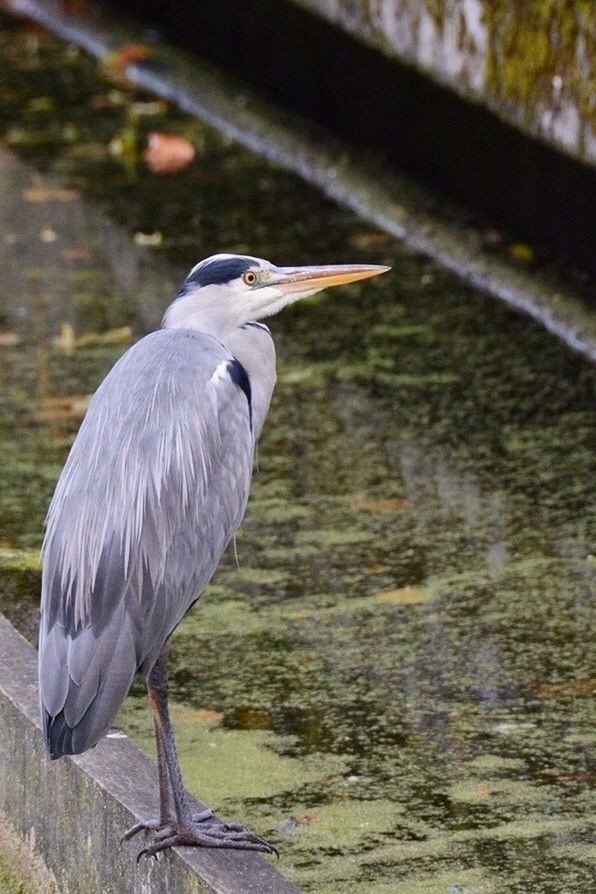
396	682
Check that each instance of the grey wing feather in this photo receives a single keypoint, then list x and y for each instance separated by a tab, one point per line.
154	487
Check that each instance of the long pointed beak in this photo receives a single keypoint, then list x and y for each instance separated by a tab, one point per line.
299	279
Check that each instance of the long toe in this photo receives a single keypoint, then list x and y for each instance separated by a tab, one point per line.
151	825
202	816
207	834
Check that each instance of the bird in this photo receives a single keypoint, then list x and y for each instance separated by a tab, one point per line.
153	489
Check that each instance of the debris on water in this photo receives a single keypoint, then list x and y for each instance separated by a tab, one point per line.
382	504
43	194
167	153
152	240
405	596
9	339
67	341
125	55
522	253
48	235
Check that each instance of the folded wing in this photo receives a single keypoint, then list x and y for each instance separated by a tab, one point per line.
154	487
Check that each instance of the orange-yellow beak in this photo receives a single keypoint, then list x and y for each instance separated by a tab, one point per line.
303	279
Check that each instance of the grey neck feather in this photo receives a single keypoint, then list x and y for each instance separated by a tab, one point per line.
252	345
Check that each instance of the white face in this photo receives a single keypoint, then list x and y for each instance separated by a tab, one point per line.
213	298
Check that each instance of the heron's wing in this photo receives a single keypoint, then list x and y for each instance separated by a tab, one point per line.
153	489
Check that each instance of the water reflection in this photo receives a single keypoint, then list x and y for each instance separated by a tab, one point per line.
398	675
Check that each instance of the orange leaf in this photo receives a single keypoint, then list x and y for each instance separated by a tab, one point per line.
167	152
130	52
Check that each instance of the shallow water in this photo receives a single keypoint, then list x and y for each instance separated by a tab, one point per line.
395	683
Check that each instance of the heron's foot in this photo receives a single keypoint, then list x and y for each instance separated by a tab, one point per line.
206	834
167	827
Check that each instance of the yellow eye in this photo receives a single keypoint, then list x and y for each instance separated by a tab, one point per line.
250	277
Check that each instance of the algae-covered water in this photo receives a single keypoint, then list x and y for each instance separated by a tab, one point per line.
395	680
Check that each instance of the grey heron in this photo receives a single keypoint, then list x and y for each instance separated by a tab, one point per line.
156	483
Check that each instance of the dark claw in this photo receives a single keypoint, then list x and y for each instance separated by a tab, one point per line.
151	825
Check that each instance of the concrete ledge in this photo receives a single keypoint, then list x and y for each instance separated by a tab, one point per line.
530	64
73	811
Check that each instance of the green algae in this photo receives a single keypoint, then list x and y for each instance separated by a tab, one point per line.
21	869
10	880
420	744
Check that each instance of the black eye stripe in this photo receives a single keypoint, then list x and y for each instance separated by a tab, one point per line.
219	271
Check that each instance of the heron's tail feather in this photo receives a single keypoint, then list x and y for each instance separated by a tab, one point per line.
83	681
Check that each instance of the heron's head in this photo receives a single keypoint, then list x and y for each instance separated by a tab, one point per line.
225	291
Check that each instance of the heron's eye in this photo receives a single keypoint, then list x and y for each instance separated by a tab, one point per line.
250	277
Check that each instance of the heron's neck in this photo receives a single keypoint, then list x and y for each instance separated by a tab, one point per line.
212	317
250	343
253	346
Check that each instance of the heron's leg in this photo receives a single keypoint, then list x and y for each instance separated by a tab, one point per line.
157	687
174	800
187	828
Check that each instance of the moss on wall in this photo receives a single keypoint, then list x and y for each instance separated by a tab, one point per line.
532	62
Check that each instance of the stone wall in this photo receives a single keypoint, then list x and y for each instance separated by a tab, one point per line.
72	812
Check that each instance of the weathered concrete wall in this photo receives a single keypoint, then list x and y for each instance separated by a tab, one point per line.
73	811
532	62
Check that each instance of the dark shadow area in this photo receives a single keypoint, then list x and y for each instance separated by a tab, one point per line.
458	149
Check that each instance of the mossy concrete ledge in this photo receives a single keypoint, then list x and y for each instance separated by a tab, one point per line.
531	64
73	811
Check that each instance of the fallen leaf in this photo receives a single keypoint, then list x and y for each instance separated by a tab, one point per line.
375	568
130	52
167	153
9	339
122	335
67	340
42	194
404	596
58	409
150	239
200	715
151	108
306	818
389	504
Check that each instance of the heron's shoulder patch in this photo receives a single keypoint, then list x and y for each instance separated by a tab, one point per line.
239	377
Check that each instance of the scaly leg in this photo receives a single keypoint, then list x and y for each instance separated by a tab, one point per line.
181	826
165	824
